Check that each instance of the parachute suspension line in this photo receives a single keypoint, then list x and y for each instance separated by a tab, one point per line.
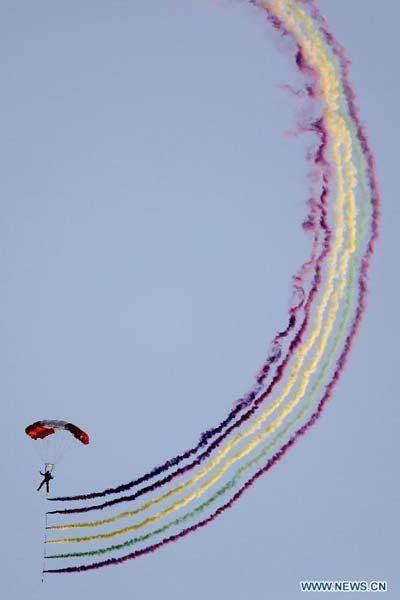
47	467
44	542
63	445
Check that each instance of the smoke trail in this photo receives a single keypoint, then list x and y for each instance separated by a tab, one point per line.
291	25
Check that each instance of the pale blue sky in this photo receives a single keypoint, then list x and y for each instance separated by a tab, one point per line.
149	227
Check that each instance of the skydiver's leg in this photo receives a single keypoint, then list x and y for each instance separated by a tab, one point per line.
40	486
47	487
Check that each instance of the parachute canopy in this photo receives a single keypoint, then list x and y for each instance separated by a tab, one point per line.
41	429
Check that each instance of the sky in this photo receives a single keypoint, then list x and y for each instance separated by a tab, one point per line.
149	227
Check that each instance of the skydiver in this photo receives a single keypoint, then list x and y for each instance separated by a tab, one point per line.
46	480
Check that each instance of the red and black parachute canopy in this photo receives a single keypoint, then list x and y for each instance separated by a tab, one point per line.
41	429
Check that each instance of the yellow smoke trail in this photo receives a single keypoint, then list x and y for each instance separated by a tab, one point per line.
342	140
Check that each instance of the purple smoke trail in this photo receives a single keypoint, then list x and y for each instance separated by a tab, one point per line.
261	376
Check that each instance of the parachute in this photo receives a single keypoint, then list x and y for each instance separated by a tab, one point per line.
41	429
55	439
